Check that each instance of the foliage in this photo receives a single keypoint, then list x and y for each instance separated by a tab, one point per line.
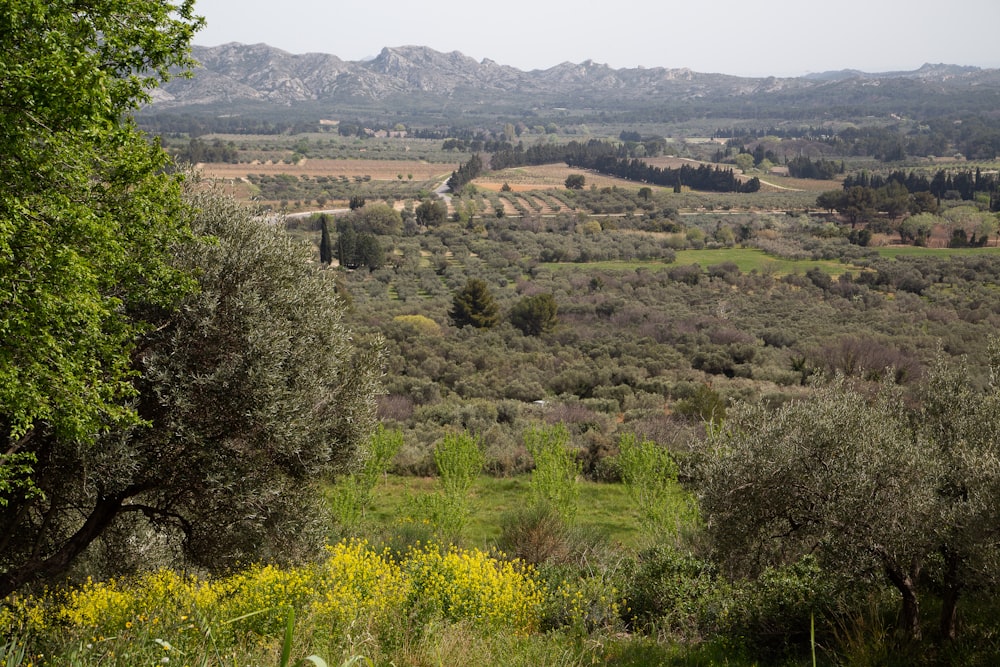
466	172
88	213
353	589
960	423
431	212
575	181
650	475
554	479
353	494
535	315
459	461
537	534
251	392
474	306
356	248
677	593
469	584
704	404
840	475
377	218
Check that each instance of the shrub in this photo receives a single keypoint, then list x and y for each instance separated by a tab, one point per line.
677	593
650	476
472	585
536	534
554	479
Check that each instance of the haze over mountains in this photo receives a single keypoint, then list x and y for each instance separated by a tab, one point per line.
240	73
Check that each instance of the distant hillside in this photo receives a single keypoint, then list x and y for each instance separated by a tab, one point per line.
414	76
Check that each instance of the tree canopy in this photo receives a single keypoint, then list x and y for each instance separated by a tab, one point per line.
249	393
535	315
840	475
874	485
474	306
158	367
87	212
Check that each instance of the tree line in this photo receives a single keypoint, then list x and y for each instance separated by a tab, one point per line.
945	184
703	177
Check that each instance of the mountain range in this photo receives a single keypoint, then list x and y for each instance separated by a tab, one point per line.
233	74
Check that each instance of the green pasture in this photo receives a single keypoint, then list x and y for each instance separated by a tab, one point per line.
604	509
893	252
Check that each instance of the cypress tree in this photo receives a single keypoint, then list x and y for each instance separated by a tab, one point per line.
325	243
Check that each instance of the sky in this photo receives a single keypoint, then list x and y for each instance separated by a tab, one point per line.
740	37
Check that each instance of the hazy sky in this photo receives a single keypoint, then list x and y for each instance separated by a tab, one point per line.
746	37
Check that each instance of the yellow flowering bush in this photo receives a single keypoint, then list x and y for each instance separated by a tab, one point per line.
109	605
471	585
586	603
19	613
165	613
258	599
355	583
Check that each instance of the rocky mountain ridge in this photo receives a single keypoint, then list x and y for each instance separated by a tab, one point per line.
235	73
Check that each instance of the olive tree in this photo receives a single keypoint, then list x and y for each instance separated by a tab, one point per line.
961	421
842	475
250	393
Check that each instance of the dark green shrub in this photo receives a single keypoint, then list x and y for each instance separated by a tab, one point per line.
773	614
677	594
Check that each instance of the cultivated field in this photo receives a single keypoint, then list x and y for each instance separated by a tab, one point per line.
378	170
546	177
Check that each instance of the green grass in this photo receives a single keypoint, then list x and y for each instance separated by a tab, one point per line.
603	508
747	259
916	251
753	259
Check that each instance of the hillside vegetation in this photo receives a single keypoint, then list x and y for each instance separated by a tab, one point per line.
702	376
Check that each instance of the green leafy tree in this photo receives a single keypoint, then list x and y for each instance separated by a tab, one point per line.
250	394
88	217
431	212
859	204
650	476
841	475
87	211
356	249
474	306
378	218
554	480
354	493
575	181
535	315
459	460
744	162
960	421
917	228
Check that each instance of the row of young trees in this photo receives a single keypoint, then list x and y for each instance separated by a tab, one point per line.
803	167
466	173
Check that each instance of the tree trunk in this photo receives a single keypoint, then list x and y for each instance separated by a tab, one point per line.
104	512
905	583
949	598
